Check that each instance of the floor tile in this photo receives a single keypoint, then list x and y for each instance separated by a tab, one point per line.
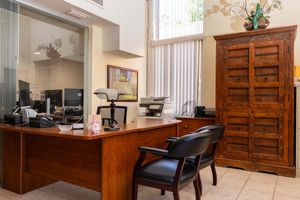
233	184
284	197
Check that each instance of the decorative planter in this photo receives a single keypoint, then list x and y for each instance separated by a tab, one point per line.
262	24
52	53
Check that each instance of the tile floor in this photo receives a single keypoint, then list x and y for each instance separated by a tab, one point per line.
233	184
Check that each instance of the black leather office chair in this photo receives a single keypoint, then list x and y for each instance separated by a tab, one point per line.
120	114
209	156
171	172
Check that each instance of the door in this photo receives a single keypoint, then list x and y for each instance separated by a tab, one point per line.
236	76
235	143
268	79
269	136
268	100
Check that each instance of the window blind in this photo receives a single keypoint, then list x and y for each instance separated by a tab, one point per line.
176	72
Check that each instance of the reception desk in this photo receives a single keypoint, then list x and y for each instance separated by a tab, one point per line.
100	161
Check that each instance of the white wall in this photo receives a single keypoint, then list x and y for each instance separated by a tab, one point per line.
110	11
100	61
132	26
216	23
128	15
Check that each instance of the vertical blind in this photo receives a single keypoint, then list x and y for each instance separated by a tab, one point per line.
8	54
176	73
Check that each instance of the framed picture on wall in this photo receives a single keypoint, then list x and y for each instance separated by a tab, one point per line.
125	81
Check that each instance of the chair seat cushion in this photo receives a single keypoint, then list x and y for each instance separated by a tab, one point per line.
163	171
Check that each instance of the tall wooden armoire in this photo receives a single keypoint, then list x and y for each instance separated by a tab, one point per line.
255	99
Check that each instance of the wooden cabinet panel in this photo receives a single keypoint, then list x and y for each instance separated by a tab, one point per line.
190	124
269	129
255	99
236	135
236	75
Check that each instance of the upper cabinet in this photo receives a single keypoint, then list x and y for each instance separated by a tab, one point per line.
127	38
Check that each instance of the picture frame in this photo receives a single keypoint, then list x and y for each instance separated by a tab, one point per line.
125	81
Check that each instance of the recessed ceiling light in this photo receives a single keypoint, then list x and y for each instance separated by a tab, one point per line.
37	53
76	13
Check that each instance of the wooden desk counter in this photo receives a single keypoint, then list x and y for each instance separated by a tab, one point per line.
103	161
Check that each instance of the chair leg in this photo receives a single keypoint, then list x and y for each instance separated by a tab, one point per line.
162	192
199	183
214	173
134	189
176	195
196	186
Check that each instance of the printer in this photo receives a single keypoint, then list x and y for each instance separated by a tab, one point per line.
155	107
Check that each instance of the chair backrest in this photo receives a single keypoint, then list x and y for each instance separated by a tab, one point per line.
191	145
216	129
120	113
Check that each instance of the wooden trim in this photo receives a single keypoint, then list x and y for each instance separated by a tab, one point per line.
139	125
256	32
256	167
155	43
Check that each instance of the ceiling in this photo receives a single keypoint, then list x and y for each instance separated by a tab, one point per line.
59	8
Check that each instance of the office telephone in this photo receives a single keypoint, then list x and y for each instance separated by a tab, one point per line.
199	111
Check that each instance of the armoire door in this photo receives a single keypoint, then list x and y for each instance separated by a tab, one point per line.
267	76
235	142
236	76
269	136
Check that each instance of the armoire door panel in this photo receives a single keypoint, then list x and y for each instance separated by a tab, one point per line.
266	95
237	95
266	124
266	74
236	135
268	132
269	51
237	55
236	75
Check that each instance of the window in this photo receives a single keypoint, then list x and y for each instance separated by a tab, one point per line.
42	56
175	18
175	52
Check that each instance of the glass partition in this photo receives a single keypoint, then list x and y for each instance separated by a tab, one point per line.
42	59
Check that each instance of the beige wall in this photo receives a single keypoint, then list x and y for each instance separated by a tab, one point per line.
99	63
216	23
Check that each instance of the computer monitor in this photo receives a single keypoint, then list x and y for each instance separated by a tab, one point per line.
73	97
55	97
24	93
39	106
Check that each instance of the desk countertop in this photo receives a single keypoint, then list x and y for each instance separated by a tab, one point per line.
196	118
138	125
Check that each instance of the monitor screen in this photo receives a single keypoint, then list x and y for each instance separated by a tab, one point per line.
24	93
55	97
73	97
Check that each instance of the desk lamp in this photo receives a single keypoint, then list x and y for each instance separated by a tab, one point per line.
111	95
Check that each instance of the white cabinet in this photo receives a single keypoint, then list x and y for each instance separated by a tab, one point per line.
298	131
